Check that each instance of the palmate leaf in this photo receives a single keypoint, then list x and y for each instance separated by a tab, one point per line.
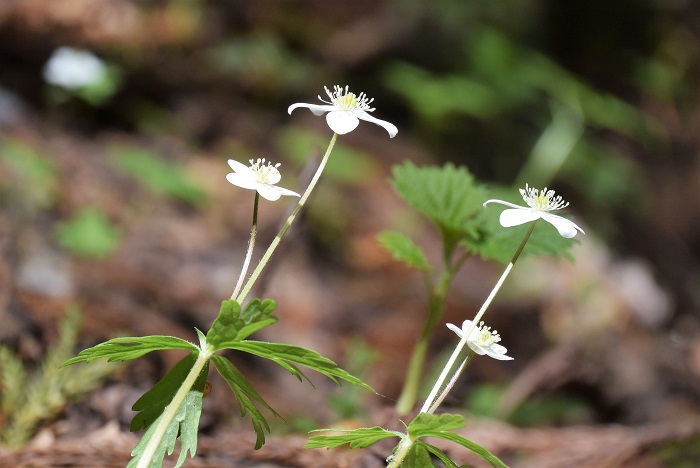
447	195
185	424
356	438
128	348
404	249
493	241
285	355
431	425
246	396
232	325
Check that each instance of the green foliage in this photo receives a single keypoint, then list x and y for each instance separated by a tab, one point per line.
404	249
285	355
88	234
448	195
230	325
185	425
164	178
31	174
424	425
128	348
152	403
356	438
431	425
246	396
27	399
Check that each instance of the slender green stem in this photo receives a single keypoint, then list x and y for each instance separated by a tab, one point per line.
430	404
275	242
251	244
401	452
436	306
170	411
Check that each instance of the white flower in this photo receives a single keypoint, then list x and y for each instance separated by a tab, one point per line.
482	340
74	68
260	176
540	203
345	110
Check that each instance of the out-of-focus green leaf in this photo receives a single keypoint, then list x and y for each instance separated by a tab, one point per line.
418	457
448	195
29	172
404	249
356	438
88	234
157	174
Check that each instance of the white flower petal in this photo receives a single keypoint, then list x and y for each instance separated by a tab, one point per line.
289	193
389	127
500	356
242	180
239	167
503	202
518	216
317	109
476	348
269	192
342	122
455	329
565	227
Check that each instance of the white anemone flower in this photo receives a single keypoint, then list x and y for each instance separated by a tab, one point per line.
74	68
482	340
345	110
261	176
540	203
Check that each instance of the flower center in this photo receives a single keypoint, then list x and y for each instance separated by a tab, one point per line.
348	101
542	200
264	171
485	337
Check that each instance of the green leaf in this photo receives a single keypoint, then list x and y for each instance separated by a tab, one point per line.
493	241
448	195
356	438
417	457
185	424
473	446
284	355
153	402
440	454
232	325
153	171
431	425
128	348
88	234
424	423
245	396
404	249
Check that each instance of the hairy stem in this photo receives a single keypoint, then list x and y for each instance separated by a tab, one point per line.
251	244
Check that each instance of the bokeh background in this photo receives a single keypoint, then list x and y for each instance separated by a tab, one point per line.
114	207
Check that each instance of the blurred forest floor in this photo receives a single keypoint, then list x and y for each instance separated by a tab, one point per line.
121	206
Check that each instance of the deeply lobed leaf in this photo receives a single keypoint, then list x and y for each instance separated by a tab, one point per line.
404	249
285	355
128	348
356	438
